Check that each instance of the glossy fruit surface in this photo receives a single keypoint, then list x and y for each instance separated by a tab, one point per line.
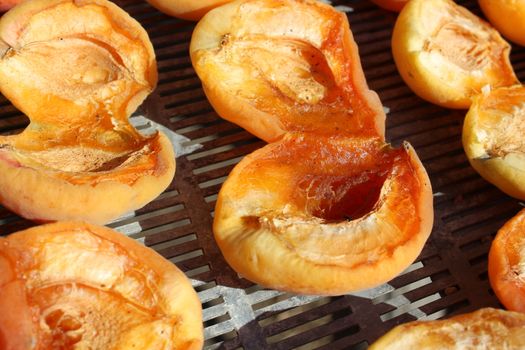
507	16
483	329
507	262
493	138
446	54
192	10
77	286
78	69
275	66
324	214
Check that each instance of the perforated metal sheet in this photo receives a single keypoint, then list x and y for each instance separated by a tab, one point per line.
449	277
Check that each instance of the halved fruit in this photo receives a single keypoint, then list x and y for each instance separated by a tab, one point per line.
273	66
77	286
317	214
493	138
192	10
486	328
392	5
507	16
78	69
446	54
507	263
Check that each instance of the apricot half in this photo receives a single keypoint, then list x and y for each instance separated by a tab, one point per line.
446	54
507	263
486	328
493	138
507	16
77	286
273	66
317	214
78	69
192	10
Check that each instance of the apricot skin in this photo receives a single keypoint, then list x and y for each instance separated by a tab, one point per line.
507	16
192	10
505	269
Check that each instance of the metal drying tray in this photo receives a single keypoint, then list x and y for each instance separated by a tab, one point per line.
450	276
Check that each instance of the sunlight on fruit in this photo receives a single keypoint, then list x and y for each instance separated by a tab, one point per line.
493	138
446	54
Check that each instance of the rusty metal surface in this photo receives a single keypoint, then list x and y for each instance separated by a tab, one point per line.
449	277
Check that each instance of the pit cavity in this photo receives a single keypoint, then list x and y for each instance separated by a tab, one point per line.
340	198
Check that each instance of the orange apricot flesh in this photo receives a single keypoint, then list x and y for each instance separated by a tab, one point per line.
507	263
493	138
446	54
276	66
77	286
326	215
78	69
507	16
486	328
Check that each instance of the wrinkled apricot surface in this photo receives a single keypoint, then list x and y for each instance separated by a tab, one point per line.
273	66
78	286
78	69
507	263
507	16
493	138
192	10
319	214
486	328
446	54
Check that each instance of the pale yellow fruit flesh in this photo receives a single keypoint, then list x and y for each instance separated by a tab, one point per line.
493	138
447	55
483	329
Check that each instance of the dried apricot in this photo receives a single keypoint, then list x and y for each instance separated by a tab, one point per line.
77	286
446	54
507	16
507	263
324	214
486	328
78	69
273	66
493	138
